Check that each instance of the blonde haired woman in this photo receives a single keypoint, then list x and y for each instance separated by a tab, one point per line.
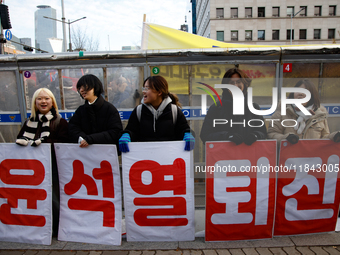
46	126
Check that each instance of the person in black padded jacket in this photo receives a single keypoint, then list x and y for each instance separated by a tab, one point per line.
158	118
96	121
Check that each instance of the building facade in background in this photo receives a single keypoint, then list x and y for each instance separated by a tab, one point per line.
269	21
45	28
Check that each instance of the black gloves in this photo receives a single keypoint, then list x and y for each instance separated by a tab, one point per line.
250	139
293	139
236	138
336	138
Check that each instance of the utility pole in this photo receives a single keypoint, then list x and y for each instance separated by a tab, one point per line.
69	27
2	48
64	26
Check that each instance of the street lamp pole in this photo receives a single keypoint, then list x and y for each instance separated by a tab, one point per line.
69	27
291	23
64	26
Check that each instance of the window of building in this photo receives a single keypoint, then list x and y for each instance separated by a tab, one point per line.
234	12
317	33
288	34
276	35
260	34
261	12
249	12
331	33
234	35
276	11
317	10
304	11
332	10
249	35
219	13
220	36
303	34
290	11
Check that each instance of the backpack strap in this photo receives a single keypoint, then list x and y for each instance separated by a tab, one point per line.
173	110
174	113
139	111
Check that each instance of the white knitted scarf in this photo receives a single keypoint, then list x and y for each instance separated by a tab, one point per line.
32	126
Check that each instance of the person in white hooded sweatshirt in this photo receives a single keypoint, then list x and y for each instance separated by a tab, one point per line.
158	118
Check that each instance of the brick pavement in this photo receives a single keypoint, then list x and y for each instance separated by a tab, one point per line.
320	244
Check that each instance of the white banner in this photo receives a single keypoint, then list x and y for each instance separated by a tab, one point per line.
90	194
158	192
25	194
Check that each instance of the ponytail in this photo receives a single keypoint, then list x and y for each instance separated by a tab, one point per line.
175	100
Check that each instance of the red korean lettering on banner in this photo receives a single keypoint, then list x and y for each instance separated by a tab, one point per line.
163	178
240	190
307	195
79	178
14	194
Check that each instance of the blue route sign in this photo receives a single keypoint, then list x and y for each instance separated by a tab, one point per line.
8	35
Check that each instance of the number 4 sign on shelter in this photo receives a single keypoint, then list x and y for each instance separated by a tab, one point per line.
308	194
25	194
158	192
240	190
90	194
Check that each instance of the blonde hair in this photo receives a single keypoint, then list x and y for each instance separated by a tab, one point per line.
36	94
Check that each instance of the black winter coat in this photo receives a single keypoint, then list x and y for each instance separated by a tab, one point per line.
98	123
165	129
221	132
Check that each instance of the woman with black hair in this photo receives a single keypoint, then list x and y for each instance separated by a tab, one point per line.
237	128
301	126
97	121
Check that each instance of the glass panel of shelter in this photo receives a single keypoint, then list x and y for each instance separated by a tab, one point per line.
9	104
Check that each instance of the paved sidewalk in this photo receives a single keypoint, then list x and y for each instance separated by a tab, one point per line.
328	243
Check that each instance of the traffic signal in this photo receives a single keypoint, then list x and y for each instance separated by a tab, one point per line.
4	15
3	40
28	48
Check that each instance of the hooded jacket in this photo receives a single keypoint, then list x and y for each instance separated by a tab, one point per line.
316	126
235	123
157	125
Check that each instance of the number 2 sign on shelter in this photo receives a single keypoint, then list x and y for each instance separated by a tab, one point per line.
240	190
158	192
25	194
308	194
90	194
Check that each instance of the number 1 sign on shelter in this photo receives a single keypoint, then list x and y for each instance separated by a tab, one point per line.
240	190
